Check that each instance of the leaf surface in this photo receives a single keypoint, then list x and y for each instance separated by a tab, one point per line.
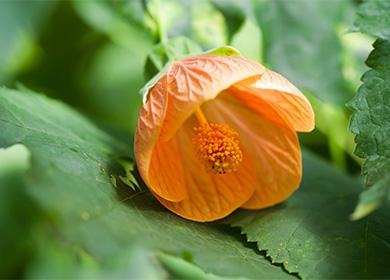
371	124
373	18
311	233
70	179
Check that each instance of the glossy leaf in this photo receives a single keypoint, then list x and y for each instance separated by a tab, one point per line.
311	234
70	179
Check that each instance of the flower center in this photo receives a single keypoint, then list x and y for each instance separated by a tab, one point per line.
217	146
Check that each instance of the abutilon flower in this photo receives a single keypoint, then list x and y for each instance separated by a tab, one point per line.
216	133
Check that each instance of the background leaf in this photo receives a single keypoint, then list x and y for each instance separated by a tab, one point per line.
235	13
294	48
17	211
371	198
20	25
311	234
373	18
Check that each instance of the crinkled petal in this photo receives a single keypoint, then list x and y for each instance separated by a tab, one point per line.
150	119
209	196
285	98
198	79
271	142
186	85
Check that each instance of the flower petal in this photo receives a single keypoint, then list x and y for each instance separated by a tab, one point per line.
166	176
174	98
192	81
150	120
210	196
272	143
285	98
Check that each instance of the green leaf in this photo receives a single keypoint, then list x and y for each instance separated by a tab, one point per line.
115	99
224	51
311	233
115	21
208	27
129	178
17	211
112	77
235	13
248	39
20	24
70	179
181	269
372	198
15	159
371	119
55	259
373	18
309	55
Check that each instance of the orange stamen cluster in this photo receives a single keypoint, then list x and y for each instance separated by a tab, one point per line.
218	147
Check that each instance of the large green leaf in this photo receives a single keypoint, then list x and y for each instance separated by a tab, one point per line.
54	258
311	233
70	180
301	42
373	18
371	124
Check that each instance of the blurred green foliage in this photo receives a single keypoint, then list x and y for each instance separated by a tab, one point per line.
96	56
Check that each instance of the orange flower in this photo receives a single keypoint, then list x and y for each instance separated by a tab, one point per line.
216	133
